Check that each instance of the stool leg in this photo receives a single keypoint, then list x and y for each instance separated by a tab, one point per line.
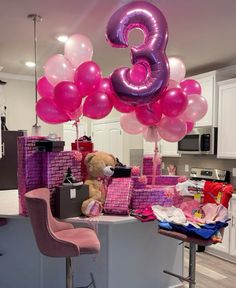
69	276
192	265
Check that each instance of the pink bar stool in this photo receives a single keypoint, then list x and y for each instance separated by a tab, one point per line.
57	238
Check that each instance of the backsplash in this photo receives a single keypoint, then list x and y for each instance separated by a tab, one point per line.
201	161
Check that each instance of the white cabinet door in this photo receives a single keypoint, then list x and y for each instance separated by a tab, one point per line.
69	133
208	85
167	149
108	137
226	123
232	240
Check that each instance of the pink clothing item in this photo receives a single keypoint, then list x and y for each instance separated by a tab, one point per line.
214	213
189	208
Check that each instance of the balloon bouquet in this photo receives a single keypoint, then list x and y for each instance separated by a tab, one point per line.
153	95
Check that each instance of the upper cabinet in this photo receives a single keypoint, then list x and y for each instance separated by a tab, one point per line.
226	124
209	91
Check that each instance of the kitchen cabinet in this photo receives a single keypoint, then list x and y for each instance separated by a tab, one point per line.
209	91
226	130
227	249
167	149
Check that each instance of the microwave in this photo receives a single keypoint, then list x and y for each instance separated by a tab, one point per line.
201	140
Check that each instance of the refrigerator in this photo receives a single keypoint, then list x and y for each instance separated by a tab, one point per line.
8	162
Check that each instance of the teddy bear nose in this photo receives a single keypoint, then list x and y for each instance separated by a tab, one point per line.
111	168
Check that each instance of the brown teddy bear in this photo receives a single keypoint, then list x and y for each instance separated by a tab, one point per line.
100	165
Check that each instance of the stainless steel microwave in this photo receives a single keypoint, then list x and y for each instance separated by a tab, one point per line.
201	140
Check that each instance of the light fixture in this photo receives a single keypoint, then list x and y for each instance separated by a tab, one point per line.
62	38
30	64
36	128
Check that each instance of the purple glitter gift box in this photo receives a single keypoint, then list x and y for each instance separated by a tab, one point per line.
29	169
163	180
118	196
148	165
151	195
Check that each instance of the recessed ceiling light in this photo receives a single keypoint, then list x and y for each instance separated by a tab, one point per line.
62	38
30	64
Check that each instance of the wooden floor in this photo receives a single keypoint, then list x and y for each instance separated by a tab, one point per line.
212	272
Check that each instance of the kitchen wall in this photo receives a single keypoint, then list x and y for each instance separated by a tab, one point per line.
19	100
201	161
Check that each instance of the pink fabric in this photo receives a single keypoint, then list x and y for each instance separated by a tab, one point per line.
214	212
189	208
57	238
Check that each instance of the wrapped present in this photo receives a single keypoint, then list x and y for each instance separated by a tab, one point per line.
151	195
29	168
118	196
148	165
164	180
55	165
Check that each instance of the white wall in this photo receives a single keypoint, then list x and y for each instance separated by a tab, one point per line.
19	99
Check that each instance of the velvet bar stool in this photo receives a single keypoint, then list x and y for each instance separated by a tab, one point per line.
193	242
57	238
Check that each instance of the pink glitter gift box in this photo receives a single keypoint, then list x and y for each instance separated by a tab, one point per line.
164	180
148	165
151	195
29	170
118	196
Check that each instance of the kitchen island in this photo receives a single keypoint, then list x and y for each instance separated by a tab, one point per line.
132	254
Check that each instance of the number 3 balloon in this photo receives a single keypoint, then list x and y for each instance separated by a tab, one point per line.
150	54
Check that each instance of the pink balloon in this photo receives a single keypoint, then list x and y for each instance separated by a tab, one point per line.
97	106
173	84
87	78
44	88
149	114
150	134
78	49
172	129
196	108
177	69
190	126
130	124
191	86
67	96
47	111
173	102
58	68
76	114
138	73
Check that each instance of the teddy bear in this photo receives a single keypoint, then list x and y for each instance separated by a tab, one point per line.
100	165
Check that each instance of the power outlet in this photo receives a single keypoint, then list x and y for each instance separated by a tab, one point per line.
234	172
186	168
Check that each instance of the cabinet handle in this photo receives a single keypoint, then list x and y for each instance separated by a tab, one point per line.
232	221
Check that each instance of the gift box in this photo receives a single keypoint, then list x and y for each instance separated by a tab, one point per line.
29	168
55	165
50	146
163	180
151	195
148	165
83	146
69	199
118	196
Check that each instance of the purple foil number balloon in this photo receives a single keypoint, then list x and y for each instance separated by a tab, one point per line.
151	53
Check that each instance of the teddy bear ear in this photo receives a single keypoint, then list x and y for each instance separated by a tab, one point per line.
115	159
88	158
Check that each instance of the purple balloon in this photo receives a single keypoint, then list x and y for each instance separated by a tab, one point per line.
47	111
191	86
45	88
67	96
173	102
87	78
97	106
150	54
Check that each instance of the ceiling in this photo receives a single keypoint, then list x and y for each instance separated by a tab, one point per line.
201	33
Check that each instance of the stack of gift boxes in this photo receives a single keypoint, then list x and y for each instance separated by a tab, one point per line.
42	169
162	193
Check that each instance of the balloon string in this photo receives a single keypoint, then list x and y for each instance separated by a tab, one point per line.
155	161
77	134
